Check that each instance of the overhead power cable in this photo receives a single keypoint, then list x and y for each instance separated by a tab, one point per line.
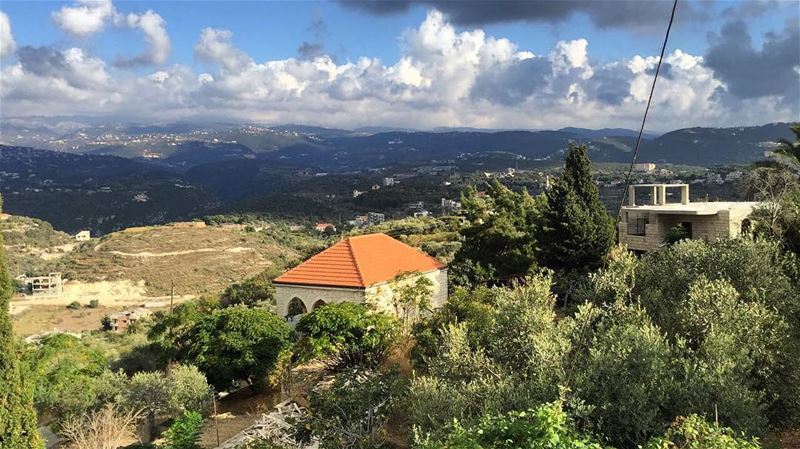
646	110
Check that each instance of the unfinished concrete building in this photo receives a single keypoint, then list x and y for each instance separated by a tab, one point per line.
644	227
50	285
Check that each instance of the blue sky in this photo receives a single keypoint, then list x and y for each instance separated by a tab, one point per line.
344	33
275	29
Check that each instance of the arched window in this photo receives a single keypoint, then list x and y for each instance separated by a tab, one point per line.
318	304
296	307
746	226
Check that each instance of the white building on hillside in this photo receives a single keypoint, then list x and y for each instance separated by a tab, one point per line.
358	269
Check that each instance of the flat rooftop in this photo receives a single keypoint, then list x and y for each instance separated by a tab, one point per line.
702	208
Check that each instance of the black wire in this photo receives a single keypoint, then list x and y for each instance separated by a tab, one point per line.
646	110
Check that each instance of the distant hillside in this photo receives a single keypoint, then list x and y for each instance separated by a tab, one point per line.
606	132
183	146
711	146
100	193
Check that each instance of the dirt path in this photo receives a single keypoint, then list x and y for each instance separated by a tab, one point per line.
146	254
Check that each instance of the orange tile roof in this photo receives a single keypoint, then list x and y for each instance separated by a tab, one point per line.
359	262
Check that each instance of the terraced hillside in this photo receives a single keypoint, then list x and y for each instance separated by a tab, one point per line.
32	245
198	259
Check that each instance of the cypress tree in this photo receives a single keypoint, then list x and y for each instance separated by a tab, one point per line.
18	429
577	231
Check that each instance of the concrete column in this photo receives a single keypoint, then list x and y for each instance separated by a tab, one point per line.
663	199
654	196
631	196
685	194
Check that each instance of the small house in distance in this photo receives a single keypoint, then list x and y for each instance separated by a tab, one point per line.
83	236
322	227
643	227
356	269
121	321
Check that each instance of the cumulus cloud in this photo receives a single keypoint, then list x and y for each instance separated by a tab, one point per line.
155	34
215	46
87	17
444	76
7	44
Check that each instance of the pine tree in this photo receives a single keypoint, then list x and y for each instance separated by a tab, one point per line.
17	415
500	241
577	231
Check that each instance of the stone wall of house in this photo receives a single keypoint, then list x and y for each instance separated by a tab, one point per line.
378	295
724	224
310	295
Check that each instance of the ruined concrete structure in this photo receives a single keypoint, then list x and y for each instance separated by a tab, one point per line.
643	227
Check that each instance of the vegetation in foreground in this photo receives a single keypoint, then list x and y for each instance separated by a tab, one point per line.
690	346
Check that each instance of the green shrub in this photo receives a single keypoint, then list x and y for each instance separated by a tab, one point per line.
94	303
184	432
346	335
74	305
545	427
694	432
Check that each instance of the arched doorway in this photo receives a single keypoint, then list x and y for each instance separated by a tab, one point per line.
318	304
296	307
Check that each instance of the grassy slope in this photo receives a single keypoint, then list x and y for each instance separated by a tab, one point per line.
197	260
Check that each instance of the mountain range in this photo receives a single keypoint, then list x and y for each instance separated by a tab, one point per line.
183	145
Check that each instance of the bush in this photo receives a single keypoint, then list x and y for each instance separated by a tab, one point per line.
184	432
94	303
74	305
545	427
346	335
106	324
236	344
250	293
694	432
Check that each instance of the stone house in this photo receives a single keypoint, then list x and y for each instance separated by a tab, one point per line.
643	227
357	269
83	236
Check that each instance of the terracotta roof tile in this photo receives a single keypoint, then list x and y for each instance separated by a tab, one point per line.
359	262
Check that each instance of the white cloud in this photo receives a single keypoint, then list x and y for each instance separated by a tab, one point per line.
443	77
85	18
7	44
215	46
89	17
155	34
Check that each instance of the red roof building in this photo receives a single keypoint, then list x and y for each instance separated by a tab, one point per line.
352	270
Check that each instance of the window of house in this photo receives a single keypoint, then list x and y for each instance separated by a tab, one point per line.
636	224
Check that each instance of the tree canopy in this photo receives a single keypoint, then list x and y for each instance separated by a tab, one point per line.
577	232
17	414
500	238
236	344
